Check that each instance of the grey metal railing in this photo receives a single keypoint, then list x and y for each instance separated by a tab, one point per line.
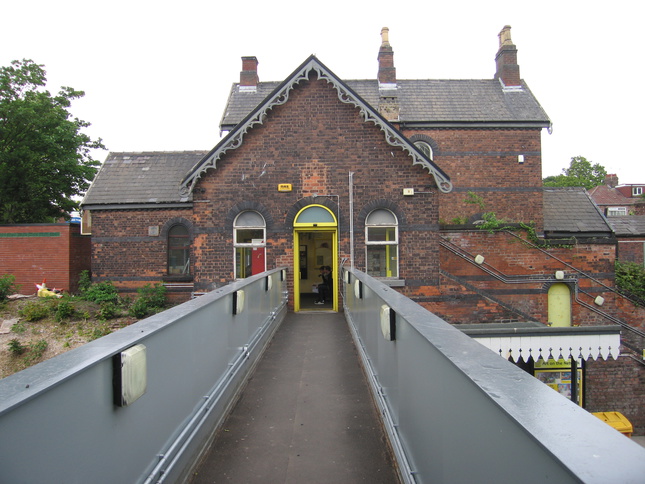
58	419
456	412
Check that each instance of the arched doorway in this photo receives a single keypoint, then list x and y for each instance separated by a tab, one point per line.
315	235
559	309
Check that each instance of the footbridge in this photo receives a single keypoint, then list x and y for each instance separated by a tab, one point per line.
232	387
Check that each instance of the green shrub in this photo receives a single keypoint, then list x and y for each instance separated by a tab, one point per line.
101	292
36	351
84	281
64	310
16	348
108	310
154	295
19	327
139	308
6	286
34	311
630	280
150	300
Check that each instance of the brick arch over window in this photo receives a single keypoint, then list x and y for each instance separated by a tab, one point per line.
178	251
178	221
305	202
238	208
426	139
377	204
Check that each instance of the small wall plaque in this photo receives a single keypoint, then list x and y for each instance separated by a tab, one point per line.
284	187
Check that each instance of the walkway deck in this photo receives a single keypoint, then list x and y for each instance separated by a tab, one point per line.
305	416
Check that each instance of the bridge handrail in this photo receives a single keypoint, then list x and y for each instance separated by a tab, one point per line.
457	412
58	420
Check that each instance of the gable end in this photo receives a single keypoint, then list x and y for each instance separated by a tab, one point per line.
281	95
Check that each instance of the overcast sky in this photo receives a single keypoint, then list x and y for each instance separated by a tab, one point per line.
157	74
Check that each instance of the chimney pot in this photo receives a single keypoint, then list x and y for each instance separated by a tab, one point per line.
385	33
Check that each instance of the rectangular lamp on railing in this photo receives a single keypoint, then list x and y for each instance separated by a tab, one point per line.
129	375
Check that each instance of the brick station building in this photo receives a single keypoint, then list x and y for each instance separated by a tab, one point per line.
401	179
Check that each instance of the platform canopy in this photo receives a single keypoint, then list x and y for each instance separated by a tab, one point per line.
521	341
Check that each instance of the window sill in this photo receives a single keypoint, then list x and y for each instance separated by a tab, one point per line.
392	282
178	278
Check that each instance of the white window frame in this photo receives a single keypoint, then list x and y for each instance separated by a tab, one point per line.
637	191
248	220
382	218
616	211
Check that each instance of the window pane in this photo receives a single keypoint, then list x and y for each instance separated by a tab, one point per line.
382	260
178	261
381	217
313	215
249	261
381	234
246	236
249	219
178	250
425	148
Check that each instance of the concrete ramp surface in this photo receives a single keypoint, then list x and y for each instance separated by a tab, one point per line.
306	415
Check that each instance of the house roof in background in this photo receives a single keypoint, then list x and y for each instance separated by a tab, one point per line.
570	210
628	226
441	102
607	196
141	177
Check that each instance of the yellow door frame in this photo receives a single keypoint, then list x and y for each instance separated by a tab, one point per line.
327	227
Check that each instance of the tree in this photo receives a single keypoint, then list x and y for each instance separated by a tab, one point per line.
45	159
581	173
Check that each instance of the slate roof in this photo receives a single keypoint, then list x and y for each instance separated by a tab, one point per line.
607	196
141	178
570	211
628	226
424	102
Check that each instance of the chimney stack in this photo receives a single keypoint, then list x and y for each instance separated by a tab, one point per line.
388	105
249	75
611	180
386	69
508	71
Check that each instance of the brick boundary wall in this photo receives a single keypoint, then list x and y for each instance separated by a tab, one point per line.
35	252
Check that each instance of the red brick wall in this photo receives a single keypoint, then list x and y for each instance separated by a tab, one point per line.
617	386
34	252
124	250
485	161
631	250
313	143
521	299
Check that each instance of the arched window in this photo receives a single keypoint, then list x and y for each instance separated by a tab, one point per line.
249	239
382	244
425	148
178	250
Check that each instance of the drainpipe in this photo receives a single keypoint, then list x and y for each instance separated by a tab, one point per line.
351	219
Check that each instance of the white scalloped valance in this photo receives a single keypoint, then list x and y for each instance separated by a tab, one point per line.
522	347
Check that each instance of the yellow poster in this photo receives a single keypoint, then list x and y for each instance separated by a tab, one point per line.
557	375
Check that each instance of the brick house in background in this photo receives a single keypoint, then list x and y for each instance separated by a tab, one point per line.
624	206
380	174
